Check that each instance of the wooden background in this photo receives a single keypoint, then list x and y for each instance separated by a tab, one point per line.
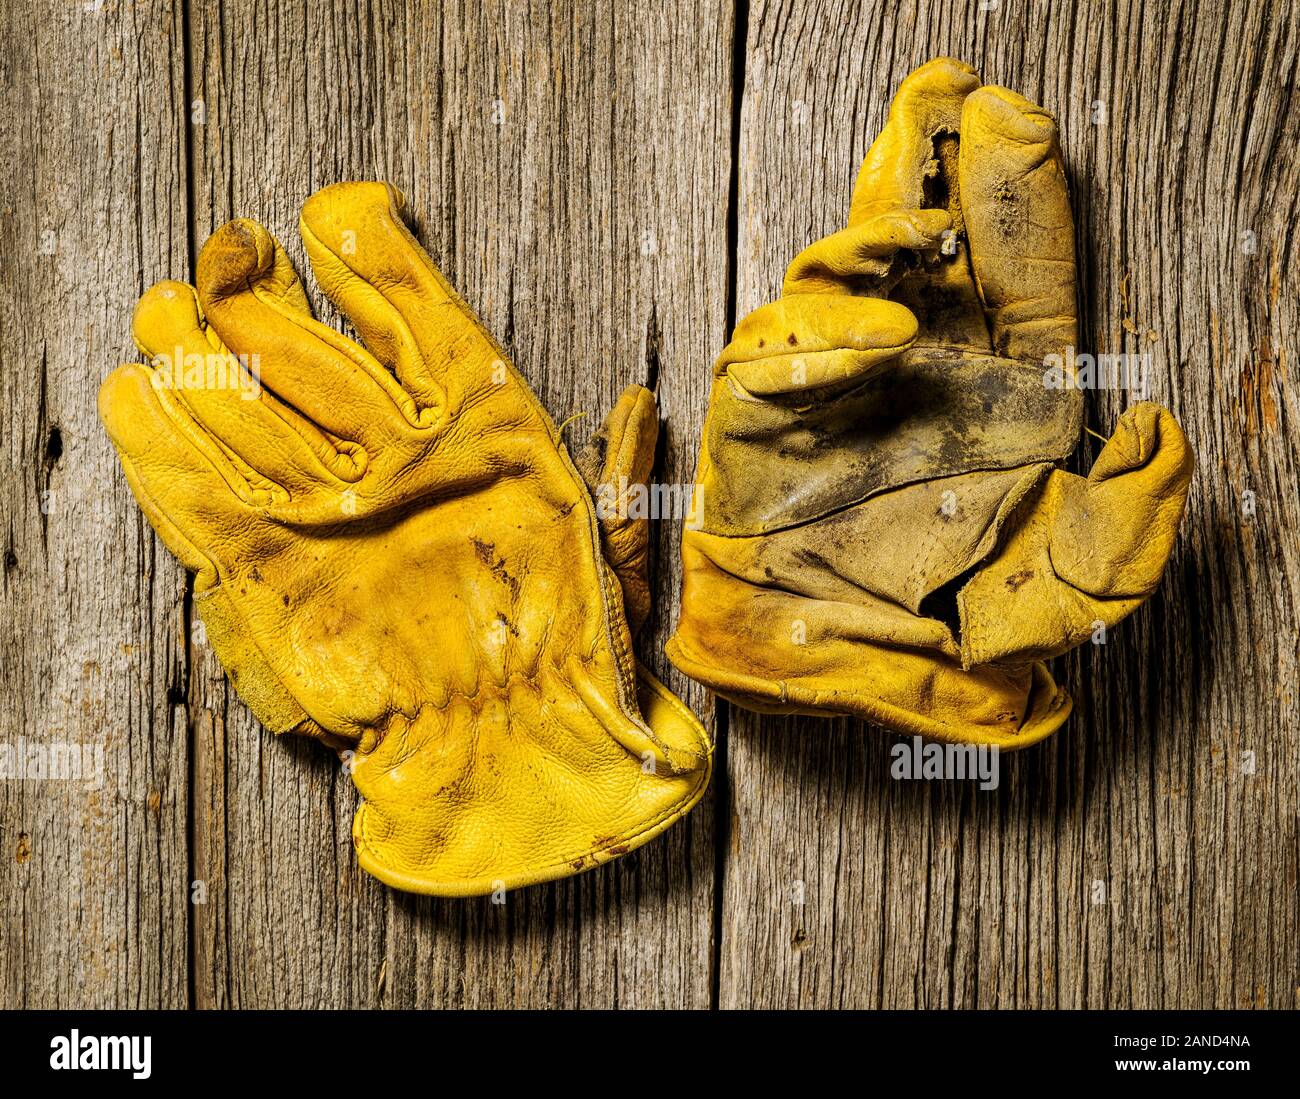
610	184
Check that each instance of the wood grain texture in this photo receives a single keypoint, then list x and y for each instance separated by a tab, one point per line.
571	165
1130	861
92	628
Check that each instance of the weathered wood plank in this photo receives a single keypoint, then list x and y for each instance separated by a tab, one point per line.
570	165
1131	861
93	875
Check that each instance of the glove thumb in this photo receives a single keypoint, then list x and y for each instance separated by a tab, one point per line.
1117	527
616	466
1090	550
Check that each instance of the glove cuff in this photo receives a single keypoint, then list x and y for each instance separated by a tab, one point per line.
897	690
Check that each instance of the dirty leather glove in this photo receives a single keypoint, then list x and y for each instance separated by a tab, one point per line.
394	553
884	531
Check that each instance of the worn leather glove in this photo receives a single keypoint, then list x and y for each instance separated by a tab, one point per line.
884	531
394	553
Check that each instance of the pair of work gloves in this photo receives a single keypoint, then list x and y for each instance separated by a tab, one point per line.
394	552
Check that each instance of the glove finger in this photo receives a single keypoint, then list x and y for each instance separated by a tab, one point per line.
1088	552
814	344
861	258
183	481
1116	535
616	465
375	271
900	170
913	164
199	371
245	283
1017	213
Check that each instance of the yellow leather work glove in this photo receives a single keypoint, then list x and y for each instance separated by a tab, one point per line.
884	530
394	553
